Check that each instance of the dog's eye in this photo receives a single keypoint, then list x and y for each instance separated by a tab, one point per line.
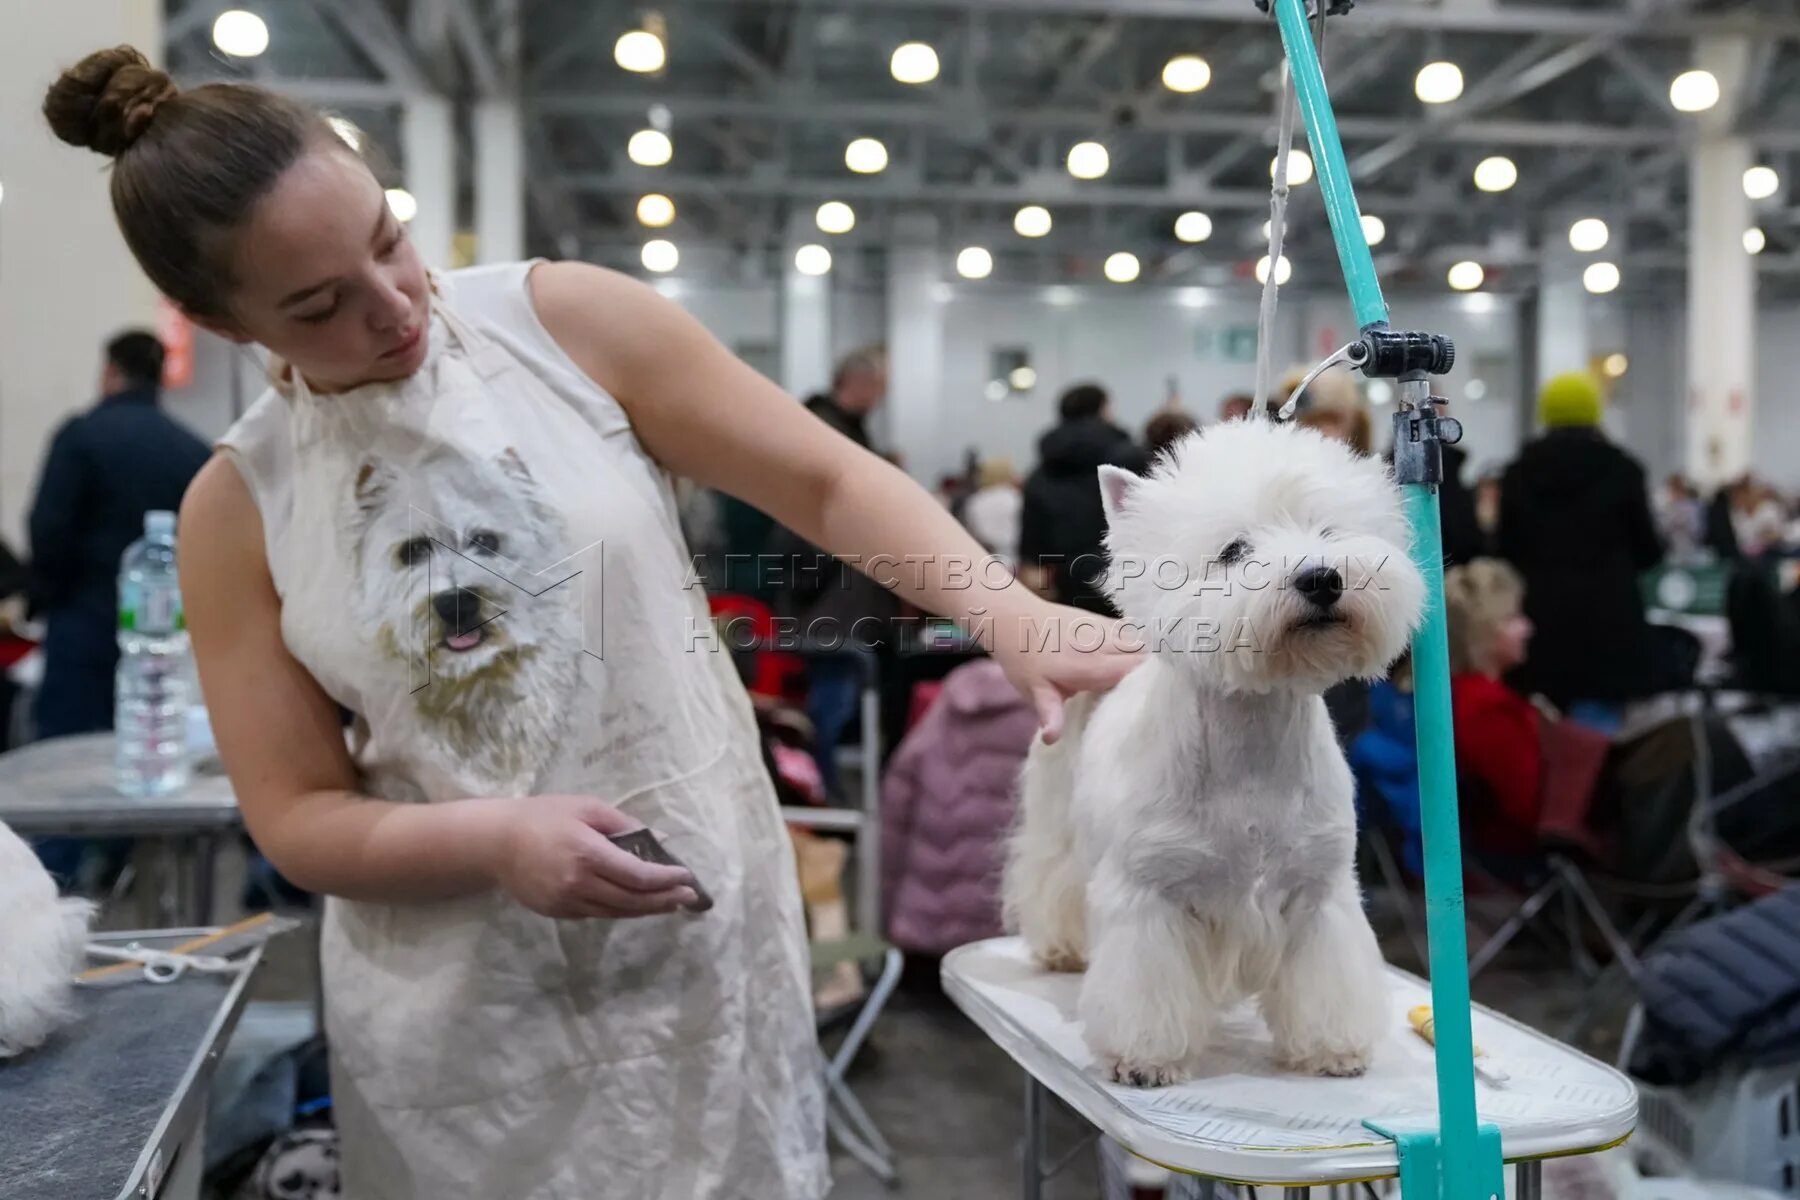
1235	550
485	540
414	552
1328	532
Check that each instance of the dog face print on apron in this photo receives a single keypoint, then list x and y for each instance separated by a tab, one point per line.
485	567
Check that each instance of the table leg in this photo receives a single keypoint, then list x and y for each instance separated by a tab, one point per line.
1528	1180
1033	1152
1295	1193
206	857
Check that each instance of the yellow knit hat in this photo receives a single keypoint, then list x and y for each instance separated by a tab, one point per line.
1571	399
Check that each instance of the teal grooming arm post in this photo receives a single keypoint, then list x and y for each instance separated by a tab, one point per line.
1463	1160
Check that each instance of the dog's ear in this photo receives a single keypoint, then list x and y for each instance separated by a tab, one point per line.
1116	487
513	465
372	480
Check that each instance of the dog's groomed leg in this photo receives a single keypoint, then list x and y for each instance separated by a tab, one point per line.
1046	884
1328	1003
1147	1004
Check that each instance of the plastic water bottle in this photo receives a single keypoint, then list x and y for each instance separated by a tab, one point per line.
150	713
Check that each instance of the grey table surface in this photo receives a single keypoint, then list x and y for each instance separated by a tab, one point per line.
77	1113
65	786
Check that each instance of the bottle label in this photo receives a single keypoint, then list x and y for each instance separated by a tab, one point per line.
150	610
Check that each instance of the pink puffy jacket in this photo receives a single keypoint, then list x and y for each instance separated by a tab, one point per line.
946	807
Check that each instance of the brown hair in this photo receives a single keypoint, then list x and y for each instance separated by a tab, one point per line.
1166	428
187	165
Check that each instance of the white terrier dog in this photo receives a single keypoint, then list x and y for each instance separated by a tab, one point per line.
1191	838
448	559
42	942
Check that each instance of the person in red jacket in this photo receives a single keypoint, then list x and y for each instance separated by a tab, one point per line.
1499	747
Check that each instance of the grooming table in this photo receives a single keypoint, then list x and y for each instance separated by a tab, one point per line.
64	787
1243	1120
113	1106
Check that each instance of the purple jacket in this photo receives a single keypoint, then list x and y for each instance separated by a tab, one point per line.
946	807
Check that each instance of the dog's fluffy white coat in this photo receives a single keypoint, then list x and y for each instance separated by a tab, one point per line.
1191	838
42	940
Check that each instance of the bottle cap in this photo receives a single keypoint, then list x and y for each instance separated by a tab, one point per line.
159	523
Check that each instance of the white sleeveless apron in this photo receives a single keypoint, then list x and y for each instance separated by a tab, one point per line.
478	1049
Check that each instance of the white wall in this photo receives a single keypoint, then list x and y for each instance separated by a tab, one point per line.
1132	342
67	283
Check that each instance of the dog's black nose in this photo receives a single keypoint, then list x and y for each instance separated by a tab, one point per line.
1322	586
459	609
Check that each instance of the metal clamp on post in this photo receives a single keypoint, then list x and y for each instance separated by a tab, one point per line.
1336	8
1420	435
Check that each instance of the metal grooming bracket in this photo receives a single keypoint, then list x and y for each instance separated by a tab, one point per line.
1336	8
1422	1171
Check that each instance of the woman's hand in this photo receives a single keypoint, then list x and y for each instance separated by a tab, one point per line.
556	860
1057	652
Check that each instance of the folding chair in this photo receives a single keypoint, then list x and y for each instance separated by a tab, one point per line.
845	1117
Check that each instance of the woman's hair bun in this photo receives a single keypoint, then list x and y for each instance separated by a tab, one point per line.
107	100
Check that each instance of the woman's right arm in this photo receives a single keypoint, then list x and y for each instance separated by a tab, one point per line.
281	741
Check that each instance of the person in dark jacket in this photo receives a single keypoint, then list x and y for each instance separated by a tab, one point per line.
104	470
832	602
1575	520
1063	524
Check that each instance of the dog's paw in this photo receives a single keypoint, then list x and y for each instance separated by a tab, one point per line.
1140	1074
1061	960
1341	1064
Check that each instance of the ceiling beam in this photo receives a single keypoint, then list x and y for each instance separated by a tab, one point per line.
372	30
1379	14
805	108
1523	73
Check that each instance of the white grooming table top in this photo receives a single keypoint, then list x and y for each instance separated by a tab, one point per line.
1244	1120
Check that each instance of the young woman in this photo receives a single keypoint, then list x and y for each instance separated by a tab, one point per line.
453	517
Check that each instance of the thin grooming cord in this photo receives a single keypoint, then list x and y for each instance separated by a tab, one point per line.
1278	197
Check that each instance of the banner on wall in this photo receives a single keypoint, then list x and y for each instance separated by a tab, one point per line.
176	333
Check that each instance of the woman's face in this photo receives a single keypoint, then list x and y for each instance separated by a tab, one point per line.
1511	640
326	277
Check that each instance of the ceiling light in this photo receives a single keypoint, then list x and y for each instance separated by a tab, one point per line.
1283	273
1475	389
1694	91
660	256
640	51
1374	229
1600	278
914	62
1122	267
812	259
1032	221
866	156
655	210
1193	227
1761	182
650	148
1186	73
1088	160
1300	167
1496	174
1615	365
996	390
1589	234
240	34
1023	379
974	262
1467	276
402	204
834	216
1755	240
1379	392
1438	82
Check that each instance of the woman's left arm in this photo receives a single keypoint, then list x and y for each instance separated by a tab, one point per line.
707	416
